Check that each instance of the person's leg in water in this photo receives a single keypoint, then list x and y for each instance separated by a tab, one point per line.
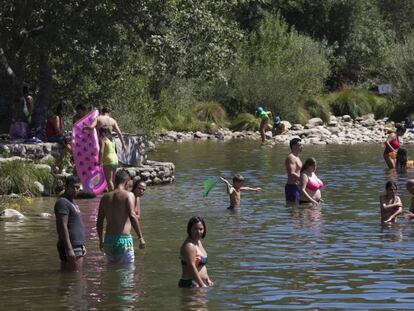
390	161
264	126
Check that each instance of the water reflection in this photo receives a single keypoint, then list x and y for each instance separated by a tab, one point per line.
194	299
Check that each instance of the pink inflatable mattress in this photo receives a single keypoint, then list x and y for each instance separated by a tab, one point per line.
85	149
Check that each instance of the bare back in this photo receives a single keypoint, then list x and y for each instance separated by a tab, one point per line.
117	207
293	165
105	121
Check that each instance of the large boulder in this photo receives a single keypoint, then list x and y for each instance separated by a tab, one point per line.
314	122
10	213
287	124
346	118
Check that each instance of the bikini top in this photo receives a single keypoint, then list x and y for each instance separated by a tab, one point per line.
200	261
314	183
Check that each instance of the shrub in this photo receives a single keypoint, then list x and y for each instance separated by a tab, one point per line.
245	121
317	108
349	102
211	112
19	177
359	102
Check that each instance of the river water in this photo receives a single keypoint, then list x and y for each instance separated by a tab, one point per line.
266	256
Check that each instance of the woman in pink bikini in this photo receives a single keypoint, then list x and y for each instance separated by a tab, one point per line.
392	144
310	184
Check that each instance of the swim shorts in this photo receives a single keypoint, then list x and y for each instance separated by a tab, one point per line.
79	251
292	193
186	283
119	248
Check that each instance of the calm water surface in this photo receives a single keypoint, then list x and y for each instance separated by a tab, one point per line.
267	256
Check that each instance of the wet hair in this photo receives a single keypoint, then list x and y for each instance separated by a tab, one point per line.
391	184
238	177
192	222
71	180
105	110
401	158
121	176
103	131
308	162
294	141
400	128
138	184
60	109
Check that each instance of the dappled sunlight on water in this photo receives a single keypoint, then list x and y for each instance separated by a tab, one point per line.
265	255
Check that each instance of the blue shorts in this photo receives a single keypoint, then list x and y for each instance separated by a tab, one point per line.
292	193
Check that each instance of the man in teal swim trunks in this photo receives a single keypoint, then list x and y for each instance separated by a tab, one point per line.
118	208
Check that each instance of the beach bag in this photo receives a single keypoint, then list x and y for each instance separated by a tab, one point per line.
18	130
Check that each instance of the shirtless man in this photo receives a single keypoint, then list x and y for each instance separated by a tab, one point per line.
138	190
234	190
118	208
293	165
105	120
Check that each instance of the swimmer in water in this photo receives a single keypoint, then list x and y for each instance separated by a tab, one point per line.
390	204
310	184
234	190
410	187
194	256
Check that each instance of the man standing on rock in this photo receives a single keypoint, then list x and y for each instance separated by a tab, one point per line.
70	228
293	165
118	208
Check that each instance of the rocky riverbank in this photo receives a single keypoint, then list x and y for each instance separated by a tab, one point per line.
339	130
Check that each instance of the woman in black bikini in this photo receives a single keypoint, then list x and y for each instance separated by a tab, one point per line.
194	256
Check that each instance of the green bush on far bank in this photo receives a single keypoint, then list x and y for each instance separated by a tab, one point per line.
359	102
19	177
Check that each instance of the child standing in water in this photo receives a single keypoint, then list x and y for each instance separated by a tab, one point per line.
234	190
264	123
390	203
107	156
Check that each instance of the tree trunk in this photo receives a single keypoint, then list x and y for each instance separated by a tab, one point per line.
43	102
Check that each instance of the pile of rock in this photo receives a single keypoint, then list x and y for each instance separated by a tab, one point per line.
339	130
153	172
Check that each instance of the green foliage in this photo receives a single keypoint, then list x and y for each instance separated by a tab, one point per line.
211	112
19	177
399	70
279	68
359	102
245	121
317	108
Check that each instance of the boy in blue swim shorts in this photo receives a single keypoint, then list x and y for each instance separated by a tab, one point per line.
293	165
118	208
